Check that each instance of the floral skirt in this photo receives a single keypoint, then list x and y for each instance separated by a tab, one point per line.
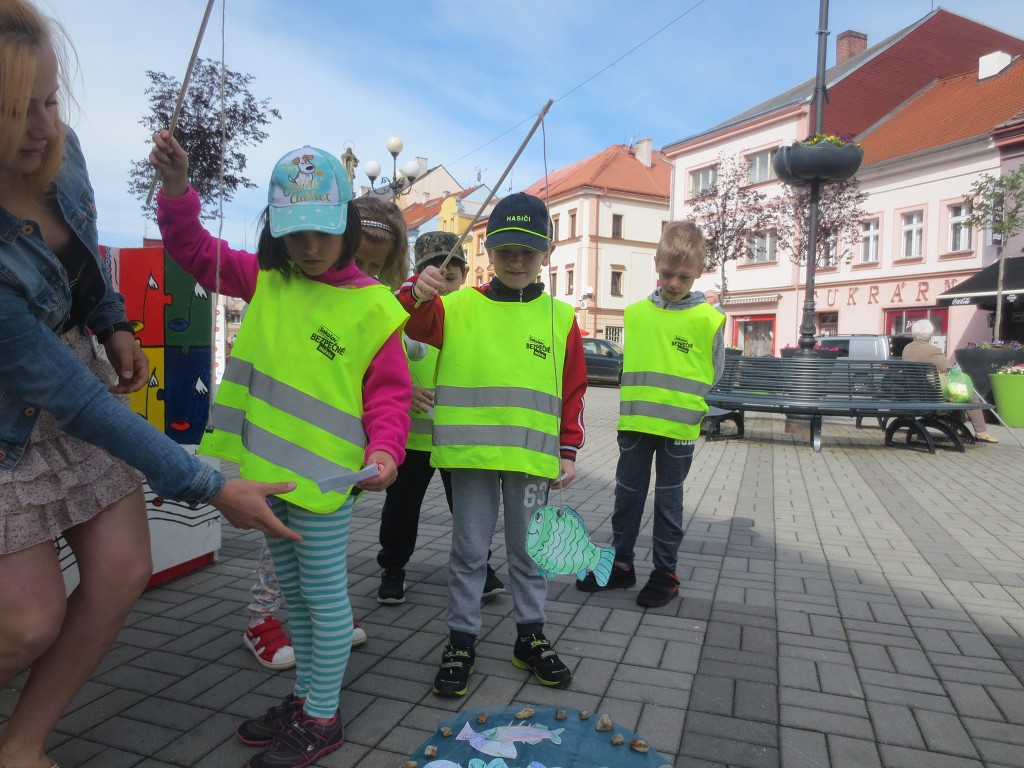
60	481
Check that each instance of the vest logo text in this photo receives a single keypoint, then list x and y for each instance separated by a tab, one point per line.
327	343
683	345
538	347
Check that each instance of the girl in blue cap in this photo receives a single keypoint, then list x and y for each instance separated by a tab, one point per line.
316	387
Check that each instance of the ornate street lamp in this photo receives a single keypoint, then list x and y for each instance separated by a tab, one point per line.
401	180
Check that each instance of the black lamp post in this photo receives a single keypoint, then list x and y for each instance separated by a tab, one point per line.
401	179
808	325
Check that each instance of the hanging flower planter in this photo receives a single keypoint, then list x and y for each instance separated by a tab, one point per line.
823	158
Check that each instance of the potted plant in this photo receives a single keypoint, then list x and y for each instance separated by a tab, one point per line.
820	157
979	359
1008	390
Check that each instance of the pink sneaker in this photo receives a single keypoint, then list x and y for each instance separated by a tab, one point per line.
270	645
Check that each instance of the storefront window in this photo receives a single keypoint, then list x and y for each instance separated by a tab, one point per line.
755	335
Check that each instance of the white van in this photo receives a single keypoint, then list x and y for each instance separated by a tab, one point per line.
865	346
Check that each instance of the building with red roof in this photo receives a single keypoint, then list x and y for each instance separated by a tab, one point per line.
927	105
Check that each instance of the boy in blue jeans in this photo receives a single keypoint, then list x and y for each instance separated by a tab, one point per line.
508	420
674	352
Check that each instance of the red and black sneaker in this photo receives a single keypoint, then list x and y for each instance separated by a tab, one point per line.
659	590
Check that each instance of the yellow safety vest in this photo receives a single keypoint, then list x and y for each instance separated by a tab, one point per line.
290	404
498	401
667	368
421	425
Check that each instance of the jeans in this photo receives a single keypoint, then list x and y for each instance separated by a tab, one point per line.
672	459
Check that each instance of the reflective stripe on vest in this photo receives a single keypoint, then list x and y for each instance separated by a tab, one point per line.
480	421
667	369
421	424
290	405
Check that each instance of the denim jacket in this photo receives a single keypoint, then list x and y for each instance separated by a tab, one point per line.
38	371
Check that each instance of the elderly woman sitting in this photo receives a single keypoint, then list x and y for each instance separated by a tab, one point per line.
922	350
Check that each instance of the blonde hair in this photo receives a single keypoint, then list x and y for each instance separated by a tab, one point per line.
24	34
681	241
382	221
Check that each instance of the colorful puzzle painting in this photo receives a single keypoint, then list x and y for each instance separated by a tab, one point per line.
533	737
174	324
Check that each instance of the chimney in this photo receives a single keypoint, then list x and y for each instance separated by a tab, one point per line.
849	44
992	64
643	152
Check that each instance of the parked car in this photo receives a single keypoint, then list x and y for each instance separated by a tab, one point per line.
864	346
604	360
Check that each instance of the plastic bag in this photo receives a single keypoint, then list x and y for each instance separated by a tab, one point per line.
958	387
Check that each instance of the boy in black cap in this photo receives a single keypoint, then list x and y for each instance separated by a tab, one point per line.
400	516
508	420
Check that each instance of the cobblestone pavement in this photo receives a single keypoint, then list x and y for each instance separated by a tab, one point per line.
859	607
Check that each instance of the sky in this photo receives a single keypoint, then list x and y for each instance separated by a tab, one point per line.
460	82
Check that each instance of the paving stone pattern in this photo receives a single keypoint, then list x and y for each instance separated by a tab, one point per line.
857	607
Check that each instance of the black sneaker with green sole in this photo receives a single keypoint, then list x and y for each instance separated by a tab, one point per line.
537	655
456	666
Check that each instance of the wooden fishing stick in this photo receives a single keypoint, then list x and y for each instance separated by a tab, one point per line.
181	93
495	188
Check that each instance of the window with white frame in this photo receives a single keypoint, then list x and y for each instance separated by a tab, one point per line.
613	333
761	247
554	229
703	180
570	284
616	282
959	230
554	281
617	226
830	258
913	235
869	241
759	166
572	224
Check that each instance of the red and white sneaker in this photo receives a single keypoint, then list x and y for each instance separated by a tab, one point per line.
270	645
358	634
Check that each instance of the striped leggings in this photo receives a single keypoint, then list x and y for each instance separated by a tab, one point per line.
313	575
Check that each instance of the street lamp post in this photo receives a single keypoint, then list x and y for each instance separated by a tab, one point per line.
808	325
401	180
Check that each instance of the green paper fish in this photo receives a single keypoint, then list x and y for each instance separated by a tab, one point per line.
559	543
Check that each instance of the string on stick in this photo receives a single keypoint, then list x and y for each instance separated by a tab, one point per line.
496	187
181	94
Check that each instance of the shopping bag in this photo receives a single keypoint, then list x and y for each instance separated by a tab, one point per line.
958	388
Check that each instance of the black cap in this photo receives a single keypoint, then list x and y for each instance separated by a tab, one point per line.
519	220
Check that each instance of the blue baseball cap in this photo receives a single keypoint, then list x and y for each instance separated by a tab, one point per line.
519	220
309	190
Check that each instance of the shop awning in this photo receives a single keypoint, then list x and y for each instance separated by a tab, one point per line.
980	289
767	298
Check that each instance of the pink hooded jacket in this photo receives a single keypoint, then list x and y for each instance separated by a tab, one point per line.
387	387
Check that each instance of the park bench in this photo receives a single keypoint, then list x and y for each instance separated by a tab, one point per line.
902	395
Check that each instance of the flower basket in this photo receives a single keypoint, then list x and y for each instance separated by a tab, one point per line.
801	163
978	362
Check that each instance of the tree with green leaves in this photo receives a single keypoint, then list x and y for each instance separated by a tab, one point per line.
202	133
729	211
997	204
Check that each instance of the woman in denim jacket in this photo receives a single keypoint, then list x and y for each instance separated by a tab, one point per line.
69	451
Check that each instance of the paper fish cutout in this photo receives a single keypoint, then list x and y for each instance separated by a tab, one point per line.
501	741
559	543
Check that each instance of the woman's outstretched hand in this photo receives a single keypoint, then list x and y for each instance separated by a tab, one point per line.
244	504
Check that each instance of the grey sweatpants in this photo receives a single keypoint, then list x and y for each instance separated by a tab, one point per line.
476	494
